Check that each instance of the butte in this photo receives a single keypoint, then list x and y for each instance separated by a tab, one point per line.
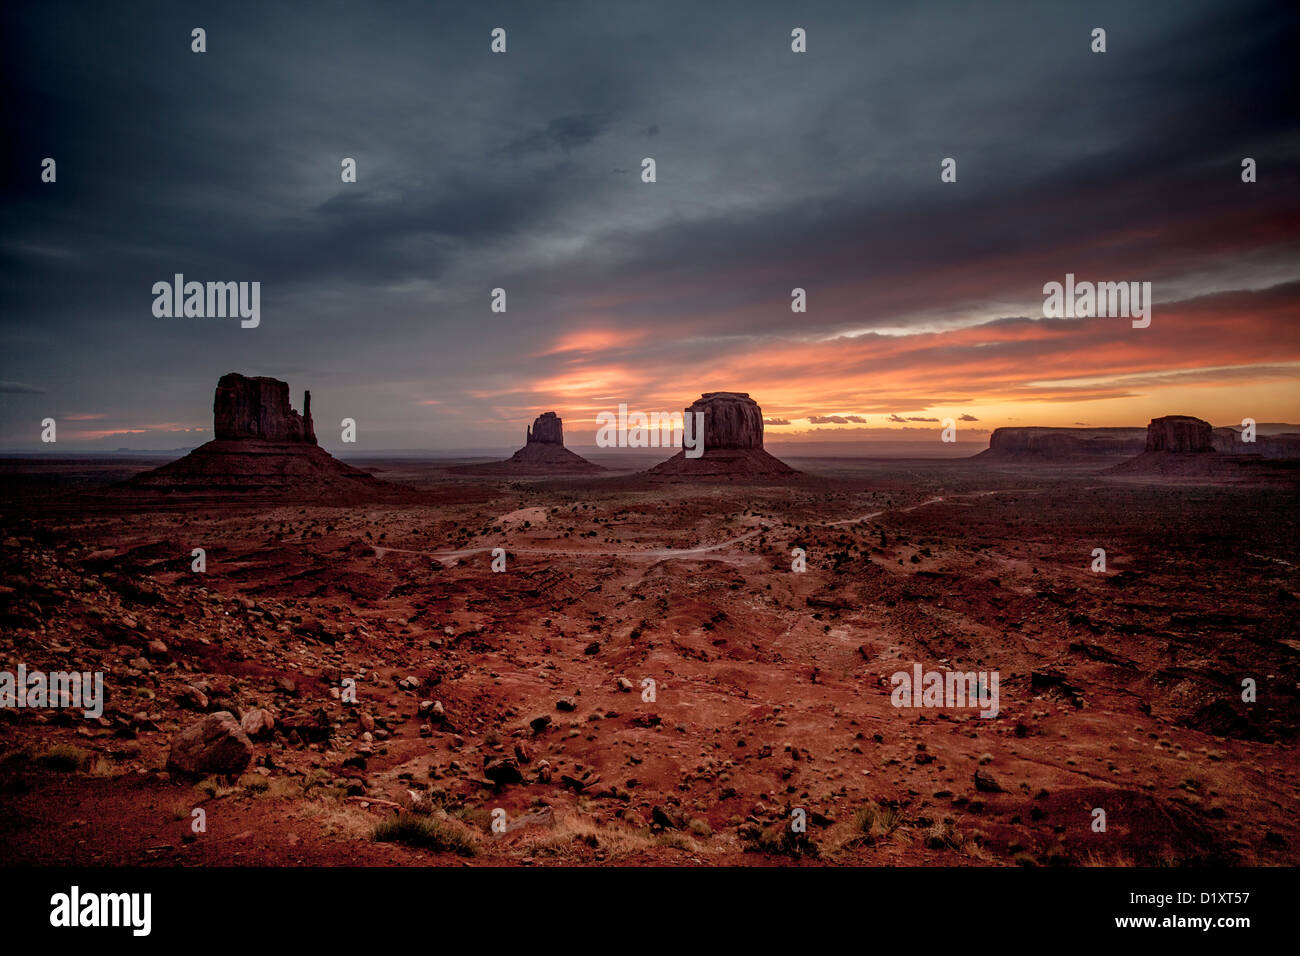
543	454
733	443
262	449
1180	446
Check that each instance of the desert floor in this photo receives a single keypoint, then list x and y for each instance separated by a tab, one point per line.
1119	690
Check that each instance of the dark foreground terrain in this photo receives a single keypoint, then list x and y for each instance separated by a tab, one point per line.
527	691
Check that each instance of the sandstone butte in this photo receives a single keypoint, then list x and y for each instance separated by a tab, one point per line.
262	448
733	443
543	454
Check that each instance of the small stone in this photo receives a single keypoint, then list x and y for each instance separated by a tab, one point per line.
257	722
540	723
192	698
502	771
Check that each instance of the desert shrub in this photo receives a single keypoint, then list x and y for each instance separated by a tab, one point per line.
64	757
782	841
426	833
876	822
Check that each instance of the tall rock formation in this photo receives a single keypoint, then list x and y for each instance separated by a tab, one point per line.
262	449
731	420
543	454
1183	447
547	429
733	442
258	409
1181	434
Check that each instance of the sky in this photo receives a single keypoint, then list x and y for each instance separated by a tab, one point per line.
522	170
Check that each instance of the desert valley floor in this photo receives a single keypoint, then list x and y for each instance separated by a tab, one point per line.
523	690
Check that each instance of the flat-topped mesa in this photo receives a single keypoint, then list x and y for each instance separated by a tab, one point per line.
1045	444
547	429
258	409
731	420
1180	433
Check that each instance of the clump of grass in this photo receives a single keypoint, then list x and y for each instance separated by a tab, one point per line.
571	835
426	833
255	783
316	778
675	841
944	835
782	841
875	822
64	757
1118	859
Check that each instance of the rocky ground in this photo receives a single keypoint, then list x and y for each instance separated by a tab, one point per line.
524	696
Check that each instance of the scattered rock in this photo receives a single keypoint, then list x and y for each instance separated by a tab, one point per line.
257	722
216	744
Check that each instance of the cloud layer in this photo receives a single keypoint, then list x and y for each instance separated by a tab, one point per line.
522	171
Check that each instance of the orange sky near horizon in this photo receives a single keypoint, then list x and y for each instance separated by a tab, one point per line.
1221	358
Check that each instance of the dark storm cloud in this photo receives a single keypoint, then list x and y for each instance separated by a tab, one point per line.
565	133
522	171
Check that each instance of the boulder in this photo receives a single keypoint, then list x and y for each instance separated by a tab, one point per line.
257	722
215	744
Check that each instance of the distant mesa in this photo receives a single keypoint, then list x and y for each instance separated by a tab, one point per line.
543	454
262	448
733	443
1272	440
1060	444
1179	434
1180	446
